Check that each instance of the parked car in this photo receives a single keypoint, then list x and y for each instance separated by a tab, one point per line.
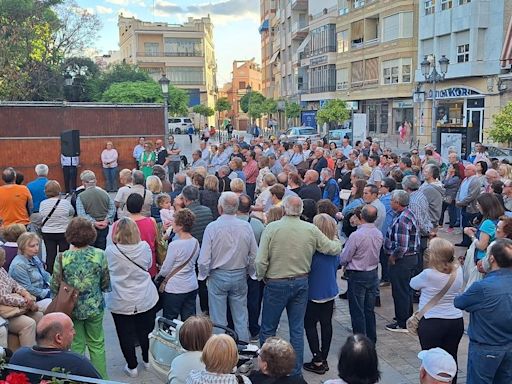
499	153
178	125
298	135
336	136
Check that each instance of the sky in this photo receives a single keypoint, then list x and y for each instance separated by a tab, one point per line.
235	23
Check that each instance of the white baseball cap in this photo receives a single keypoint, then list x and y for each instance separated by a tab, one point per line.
439	364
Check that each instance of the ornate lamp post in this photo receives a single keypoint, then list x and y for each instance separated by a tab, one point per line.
164	84
433	76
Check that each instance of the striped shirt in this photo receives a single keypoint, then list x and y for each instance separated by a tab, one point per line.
60	218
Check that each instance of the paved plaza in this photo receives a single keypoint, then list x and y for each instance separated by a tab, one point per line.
397	352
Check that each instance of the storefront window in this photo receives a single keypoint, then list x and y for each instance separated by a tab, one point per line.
450	113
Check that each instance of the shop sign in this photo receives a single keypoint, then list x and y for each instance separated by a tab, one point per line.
454	92
318	60
353	105
400	104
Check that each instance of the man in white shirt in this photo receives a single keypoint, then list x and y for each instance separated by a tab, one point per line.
376	176
137	150
371	196
346	147
69	166
227	256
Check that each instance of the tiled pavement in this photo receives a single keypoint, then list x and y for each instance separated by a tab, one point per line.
397	351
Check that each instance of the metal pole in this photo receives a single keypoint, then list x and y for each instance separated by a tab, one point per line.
434	108
166	119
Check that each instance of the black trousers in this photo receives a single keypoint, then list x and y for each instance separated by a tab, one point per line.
442	333
101	238
69	178
319	313
131	329
51	242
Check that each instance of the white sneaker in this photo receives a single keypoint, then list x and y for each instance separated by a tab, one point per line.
130	372
146	365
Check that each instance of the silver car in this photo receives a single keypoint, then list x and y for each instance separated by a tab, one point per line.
298	135
500	153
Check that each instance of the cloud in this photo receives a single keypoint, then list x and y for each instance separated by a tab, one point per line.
221	12
118	2
127	13
103	10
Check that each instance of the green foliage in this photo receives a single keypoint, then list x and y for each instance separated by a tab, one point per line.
222	104
269	106
178	101
85	71
119	73
502	125
334	111
133	92
292	110
203	110
253	97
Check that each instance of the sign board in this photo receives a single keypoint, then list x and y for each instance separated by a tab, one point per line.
418	97
450	140
308	118
352	105
399	104
452	93
358	127
322	103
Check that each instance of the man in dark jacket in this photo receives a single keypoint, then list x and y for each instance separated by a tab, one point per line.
310	189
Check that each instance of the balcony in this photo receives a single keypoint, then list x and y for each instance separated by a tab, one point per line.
317	52
299	30
300	5
321	89
170	54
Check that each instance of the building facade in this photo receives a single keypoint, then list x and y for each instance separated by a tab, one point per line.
185	53
267	13
470	33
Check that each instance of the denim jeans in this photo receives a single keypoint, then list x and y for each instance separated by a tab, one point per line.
400	275
110	179
181	305
453	214
101	238
229	286
362	290
254	297
489	364
291	294
173	168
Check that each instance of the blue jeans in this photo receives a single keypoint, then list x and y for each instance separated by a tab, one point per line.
224	286
254	288
291	294
173	168
110	179
489	364
362	290
453	214
181	305
400	275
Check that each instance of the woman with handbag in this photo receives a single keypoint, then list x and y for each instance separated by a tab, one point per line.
18	307
84	268
179	285
451	185
441	324
56	213
133	297
28	270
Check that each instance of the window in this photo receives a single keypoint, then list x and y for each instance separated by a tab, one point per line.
357	34
396	71
430	7
398	26
183	47
343	41
357	3
185	75
357	73
342	79
462	2
151	49
463	53
343	7
446	4
241	85
371	71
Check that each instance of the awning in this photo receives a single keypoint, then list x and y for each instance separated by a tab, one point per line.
506	53
264	26
304	44
274	57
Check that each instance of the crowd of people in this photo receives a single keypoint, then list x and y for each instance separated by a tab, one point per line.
250	229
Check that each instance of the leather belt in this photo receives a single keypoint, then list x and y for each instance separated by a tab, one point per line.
288	278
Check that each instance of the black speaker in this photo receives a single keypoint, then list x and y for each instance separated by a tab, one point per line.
70	143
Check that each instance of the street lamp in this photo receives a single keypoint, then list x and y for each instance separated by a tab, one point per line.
431	75
249	92
164	84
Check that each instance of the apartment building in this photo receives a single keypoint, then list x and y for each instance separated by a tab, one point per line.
470	33
267	12
376	56
317	56
184	52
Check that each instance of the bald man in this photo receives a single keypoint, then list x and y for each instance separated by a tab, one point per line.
54	335
310	189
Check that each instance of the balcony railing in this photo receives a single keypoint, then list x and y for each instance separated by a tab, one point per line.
188	82
170	54
317	52
321	89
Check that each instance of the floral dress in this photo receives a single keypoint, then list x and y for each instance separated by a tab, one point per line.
86	269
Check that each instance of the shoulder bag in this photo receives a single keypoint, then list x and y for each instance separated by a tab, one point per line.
66	298
161	281
414	321
50	214
130	260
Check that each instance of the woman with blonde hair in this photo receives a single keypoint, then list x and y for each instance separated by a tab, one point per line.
133	297
442	325
220	356
274	214
323	289
154	184
505	171
237	186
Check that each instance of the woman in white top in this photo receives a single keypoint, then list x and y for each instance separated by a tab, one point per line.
109	162
55	225
443	325
193	335
133	297
179	298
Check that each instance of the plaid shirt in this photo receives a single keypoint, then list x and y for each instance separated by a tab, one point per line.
418	204
403	236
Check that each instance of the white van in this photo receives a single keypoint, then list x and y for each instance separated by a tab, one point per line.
178	125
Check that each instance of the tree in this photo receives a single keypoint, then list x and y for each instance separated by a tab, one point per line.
35	37
178	101
292	110
253	98
203	110
222	105
118	74
269	106
85	71
133	92
502	125
334	111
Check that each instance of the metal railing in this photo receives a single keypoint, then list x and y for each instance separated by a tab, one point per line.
170	54
321	89
317	52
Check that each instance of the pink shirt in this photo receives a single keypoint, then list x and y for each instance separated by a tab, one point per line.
109	158
251	172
